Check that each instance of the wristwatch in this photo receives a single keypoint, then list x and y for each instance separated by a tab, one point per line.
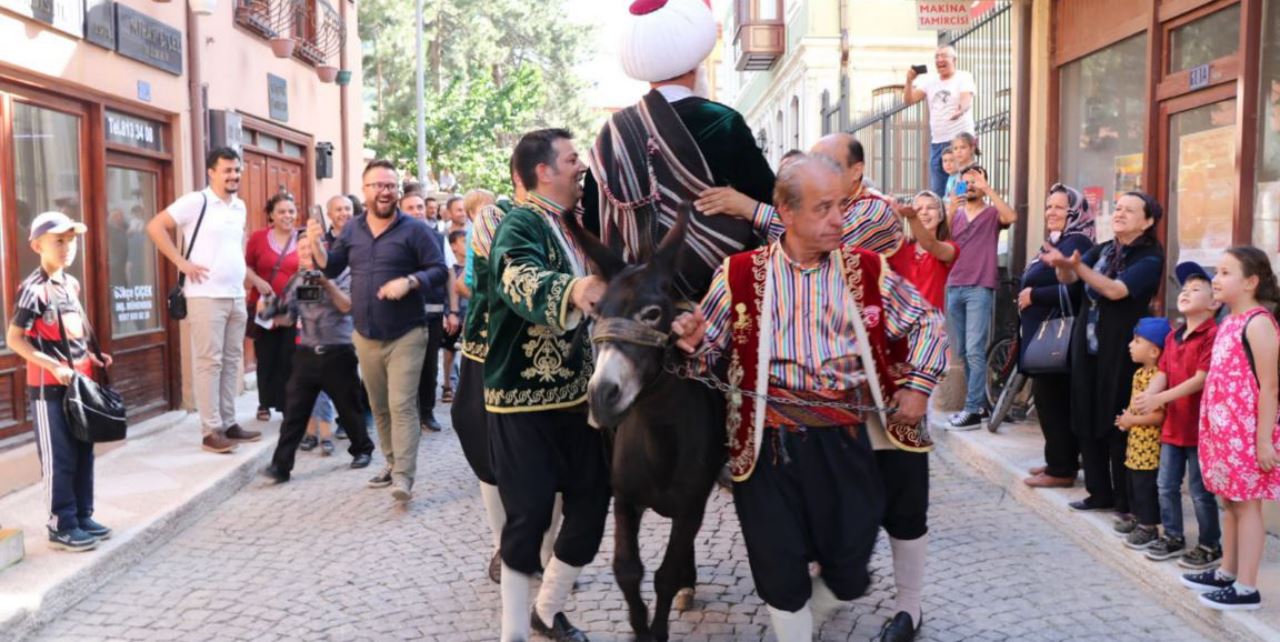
413	282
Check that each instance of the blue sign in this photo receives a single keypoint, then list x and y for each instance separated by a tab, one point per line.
144	91
1200	77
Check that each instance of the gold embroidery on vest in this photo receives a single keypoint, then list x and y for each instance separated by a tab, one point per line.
547	354
520	282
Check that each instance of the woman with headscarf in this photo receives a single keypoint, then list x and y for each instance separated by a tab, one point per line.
1120	278
1068	224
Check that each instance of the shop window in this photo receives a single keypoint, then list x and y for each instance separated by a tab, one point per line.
46	163
292	150
1202	182
1102	124
1266	202
1205	40
133	277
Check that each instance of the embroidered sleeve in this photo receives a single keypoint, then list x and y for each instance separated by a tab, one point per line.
766	222
871	225
909	316
527	281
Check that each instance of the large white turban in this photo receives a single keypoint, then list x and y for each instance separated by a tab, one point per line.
663	39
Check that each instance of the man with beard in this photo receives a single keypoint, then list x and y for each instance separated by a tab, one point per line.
390	314
213	224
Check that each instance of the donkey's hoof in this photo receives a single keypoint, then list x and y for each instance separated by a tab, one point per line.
683	600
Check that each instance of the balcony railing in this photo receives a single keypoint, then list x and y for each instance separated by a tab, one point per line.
314	24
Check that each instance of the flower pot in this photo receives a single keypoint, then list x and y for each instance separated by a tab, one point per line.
283	47
327	73
344	78
201	7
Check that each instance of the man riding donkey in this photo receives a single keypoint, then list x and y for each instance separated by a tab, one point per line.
811	327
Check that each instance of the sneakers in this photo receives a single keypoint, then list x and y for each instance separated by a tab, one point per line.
236	433
361	461
94	529
72	539
1206	581
308	444
326	447
216	442
400	490
1084	506
967	421
1142	538
340	433
1230	599
1124	525
382	479
1201	557
1165	548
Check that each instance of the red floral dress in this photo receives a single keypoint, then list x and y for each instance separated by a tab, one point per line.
1229	419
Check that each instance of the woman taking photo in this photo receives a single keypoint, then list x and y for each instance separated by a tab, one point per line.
1120	278
1068	225
926	260
272	257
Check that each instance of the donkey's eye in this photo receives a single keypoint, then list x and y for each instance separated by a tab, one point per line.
651	315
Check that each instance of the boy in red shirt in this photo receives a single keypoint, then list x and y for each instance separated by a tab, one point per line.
1183	366
49	300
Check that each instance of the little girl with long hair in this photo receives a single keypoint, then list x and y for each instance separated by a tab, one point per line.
1238	440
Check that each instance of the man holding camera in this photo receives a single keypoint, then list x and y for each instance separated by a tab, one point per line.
325	361
950	94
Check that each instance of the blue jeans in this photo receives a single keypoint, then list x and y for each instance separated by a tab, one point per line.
1173	460
937	177
969	325
66	463
323	410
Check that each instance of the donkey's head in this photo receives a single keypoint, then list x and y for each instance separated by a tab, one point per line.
634	316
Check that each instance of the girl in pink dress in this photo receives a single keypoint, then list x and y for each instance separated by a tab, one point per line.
1238	440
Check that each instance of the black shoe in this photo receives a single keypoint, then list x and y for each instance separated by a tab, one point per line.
1205	581
72	539
495	568
382	479
966	421
1166	548
361	461
1142	538
94	529
326	447
309	443
1085	506
432	425
1201	557
340	433
275	474
1229	599
560	629
900	628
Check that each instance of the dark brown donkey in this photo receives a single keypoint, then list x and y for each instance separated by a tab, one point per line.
666	434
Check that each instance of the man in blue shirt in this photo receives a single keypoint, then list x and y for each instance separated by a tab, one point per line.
393	259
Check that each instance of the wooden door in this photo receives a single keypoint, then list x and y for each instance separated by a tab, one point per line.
253	190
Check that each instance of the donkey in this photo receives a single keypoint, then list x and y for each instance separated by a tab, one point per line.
666	435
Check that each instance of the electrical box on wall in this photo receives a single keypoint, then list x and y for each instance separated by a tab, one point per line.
324	160
226	129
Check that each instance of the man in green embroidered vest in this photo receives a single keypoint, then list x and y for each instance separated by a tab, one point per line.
536	373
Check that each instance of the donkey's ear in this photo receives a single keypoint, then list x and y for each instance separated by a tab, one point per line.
668	252
606	260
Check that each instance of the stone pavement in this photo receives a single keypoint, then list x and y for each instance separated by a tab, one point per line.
324	558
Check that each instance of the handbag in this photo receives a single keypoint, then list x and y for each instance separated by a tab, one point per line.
253	329
95	412
177	301
1049	349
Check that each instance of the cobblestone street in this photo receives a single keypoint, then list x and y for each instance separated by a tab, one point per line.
324	558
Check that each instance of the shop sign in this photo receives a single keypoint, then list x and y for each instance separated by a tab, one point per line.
132	131
100	23
147	40
278	98
66	16
939	15
133	304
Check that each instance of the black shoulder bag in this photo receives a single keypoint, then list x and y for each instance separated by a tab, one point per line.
177	301
95	412
1048	350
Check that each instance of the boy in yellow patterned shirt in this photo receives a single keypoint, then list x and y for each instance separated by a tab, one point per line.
1142	454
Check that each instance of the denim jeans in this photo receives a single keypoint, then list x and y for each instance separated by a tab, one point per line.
937	177
969	324
1173	460
323	410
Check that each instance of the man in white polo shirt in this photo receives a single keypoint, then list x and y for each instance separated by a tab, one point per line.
213	225
950	98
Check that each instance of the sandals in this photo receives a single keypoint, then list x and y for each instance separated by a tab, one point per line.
446	395
264	414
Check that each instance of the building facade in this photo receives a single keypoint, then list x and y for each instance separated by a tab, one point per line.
106	111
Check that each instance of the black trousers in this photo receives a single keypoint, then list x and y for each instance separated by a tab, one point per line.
1105	476
334	373
535	455
905	476
1144	496
471	421
430	368
1052	394
273	350
814	496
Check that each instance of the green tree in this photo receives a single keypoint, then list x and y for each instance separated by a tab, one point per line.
495	68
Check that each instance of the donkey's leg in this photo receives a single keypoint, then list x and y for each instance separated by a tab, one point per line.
627	567
673	575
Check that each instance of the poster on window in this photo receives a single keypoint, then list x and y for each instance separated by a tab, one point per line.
1206	191
133	306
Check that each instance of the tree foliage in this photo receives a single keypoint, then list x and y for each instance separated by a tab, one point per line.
494	69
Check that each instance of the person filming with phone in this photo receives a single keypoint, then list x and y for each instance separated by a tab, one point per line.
950	95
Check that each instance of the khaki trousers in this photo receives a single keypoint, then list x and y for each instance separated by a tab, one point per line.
391	371
217	356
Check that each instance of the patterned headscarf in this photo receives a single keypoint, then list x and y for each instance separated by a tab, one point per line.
1079	216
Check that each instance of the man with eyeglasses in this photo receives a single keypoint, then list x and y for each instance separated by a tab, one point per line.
393	260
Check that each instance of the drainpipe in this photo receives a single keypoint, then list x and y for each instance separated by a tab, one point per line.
195	87
1021	22
342	102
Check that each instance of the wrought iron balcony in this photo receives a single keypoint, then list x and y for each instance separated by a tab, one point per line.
315	25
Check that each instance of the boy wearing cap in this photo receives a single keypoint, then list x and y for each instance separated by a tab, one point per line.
1142	455
1183	367
49	304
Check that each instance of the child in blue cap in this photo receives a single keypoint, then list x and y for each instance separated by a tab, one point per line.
1142	455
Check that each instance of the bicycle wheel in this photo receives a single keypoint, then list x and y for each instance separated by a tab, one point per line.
1002	360
1008	395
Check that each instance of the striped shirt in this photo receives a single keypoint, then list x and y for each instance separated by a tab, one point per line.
483	230
40	298
554	214
814	345
869	223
